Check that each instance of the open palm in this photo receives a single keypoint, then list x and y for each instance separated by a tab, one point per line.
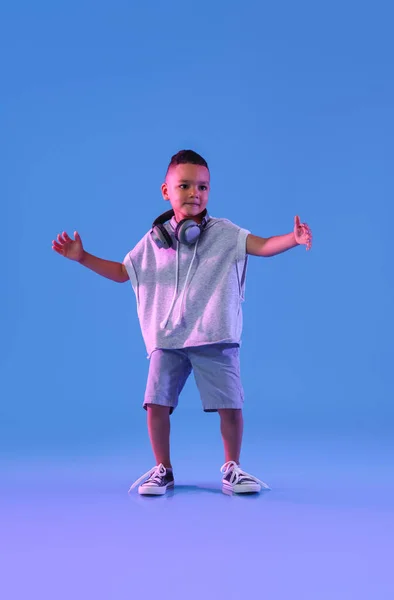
302	233
64	245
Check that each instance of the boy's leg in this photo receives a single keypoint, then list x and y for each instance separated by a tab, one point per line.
159	433
168	372
231	427
217	374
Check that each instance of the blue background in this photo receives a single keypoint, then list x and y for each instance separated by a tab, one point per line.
291	104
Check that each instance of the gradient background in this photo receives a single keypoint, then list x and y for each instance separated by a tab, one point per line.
291	104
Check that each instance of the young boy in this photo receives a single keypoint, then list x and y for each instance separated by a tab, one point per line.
188	275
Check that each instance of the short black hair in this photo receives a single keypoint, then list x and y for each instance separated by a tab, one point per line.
184	157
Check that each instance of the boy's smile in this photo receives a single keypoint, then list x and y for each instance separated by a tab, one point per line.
187	188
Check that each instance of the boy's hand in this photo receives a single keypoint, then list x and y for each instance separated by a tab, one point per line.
67	247
302	233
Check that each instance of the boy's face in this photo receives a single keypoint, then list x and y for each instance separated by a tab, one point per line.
187	188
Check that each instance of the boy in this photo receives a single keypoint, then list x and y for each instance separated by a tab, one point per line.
188	275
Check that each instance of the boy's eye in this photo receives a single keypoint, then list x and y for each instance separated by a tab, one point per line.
184	186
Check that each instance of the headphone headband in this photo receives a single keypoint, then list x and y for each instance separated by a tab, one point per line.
161	219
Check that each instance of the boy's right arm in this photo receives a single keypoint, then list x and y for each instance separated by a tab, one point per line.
107	268
73	249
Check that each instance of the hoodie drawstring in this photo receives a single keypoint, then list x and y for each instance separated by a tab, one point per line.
163	324
185	286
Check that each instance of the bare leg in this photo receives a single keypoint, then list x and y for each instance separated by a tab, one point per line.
231	427
159	433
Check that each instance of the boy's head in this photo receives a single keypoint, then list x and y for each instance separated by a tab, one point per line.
186	185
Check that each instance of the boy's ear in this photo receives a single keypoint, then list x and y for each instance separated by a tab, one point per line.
164	191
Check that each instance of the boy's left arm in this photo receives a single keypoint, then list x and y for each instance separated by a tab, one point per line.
301	235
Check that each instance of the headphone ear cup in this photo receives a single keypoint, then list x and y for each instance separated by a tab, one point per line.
187	231
161	237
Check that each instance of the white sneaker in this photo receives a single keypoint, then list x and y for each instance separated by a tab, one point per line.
238	481
158	481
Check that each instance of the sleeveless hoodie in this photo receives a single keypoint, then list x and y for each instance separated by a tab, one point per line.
190	295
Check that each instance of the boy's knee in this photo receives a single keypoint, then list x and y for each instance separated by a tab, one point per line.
158	409
230	414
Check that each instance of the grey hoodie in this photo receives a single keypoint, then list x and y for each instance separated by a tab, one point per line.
190	295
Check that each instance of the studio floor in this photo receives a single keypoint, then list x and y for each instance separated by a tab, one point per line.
325	531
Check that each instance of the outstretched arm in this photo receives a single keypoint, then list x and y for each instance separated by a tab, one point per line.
301	235
73	249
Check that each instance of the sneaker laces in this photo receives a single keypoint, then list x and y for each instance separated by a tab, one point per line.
238	474
154	475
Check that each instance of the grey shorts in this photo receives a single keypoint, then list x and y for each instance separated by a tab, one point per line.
216	371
